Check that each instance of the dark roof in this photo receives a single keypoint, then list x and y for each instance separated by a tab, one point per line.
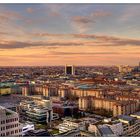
105	130
126	118
38	133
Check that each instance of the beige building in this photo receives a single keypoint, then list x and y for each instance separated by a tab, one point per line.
37	89
64	91
125	69
27	90
5	90
117	107
9	123
125	107
45	91
129	98
87	92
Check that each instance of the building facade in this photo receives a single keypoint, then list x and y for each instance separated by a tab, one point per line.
116	107
9	123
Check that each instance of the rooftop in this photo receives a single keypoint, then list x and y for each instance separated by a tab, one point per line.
105	130
72	120
126	118
137	115
6	111
39	132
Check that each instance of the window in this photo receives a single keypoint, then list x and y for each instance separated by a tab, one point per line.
16	131
3	128
12	132
3	122
7	133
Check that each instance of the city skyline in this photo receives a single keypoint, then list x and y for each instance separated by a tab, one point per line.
78	34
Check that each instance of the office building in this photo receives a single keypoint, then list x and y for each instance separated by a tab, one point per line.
69	70
71	124
64	108
36	111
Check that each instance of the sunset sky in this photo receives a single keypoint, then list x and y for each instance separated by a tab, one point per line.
79	34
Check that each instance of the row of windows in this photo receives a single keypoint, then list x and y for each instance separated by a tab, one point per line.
2	128
9	126
12	120
9	120
3	122
11	133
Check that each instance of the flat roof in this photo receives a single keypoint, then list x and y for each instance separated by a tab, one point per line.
7	111
126	118
137	113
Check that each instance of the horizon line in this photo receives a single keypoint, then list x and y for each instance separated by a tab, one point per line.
67	64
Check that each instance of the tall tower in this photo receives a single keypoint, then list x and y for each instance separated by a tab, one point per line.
69	70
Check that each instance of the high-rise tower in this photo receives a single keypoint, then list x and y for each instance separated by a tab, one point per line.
69	70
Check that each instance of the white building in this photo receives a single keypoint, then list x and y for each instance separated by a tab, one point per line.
71	124
9	123
26	127
37	111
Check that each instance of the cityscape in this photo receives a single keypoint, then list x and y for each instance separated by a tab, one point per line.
69	70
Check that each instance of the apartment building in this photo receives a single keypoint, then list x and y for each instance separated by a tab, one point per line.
45	90
64	91
125	107
9	123
131	125
5	90
117	107
82	92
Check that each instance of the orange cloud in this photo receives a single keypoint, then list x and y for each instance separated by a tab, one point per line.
85	40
